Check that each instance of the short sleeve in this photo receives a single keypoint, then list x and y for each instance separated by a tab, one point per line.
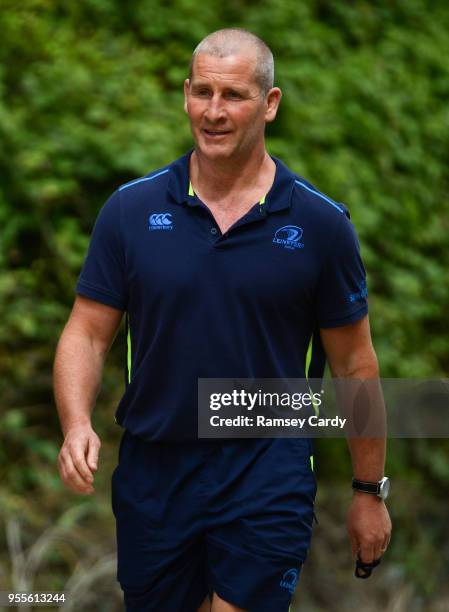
102	277
342	293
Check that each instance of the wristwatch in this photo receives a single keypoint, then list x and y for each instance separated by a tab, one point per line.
381	488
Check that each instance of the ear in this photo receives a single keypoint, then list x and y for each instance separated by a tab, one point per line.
186	93
273	100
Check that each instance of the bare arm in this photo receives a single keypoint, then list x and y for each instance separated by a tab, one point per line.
350	354
78	367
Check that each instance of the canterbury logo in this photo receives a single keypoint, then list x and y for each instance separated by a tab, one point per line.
160	221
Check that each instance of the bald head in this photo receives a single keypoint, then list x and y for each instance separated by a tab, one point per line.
235	41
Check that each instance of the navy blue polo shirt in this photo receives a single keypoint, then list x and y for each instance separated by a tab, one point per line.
202	304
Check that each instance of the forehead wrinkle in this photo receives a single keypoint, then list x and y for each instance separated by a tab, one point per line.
217	77
232	65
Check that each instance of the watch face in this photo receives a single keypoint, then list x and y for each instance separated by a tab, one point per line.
384	487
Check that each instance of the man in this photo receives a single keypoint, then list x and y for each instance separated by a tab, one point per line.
189	253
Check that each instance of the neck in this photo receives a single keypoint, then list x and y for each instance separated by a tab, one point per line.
220	178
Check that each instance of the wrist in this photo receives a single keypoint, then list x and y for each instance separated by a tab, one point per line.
78	424
366	497
379	489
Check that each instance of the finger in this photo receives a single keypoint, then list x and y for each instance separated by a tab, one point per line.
92	454
72	454
366	553
61	469
379	551
383	548
78	456
77	484
72	477
77	488
68	471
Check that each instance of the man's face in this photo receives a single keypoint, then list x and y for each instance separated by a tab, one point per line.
226	107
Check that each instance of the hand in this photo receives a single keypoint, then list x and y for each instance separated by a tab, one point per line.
78	458
369	527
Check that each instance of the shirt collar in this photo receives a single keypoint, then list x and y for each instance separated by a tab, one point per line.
278	198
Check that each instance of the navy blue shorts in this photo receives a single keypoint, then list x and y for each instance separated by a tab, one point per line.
230	516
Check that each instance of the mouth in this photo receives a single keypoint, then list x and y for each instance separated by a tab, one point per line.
216	133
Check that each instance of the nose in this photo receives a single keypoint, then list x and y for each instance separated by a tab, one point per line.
214	110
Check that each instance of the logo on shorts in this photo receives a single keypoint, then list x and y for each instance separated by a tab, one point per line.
290	580
289	237
160	221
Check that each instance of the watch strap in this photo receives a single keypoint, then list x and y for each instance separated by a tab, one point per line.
366	487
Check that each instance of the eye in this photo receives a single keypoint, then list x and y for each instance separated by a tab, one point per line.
202	92
234	95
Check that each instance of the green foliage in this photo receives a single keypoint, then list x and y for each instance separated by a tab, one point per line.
91	96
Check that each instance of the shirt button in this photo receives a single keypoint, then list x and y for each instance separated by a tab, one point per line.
213	231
